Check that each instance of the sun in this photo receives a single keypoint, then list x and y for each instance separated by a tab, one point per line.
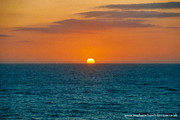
90	61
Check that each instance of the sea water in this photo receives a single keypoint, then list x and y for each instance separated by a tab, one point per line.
89	92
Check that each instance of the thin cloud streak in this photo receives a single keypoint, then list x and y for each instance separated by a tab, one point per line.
168	5
128	14
3	35
23	41
81	26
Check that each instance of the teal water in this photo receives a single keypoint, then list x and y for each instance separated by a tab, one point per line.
89	92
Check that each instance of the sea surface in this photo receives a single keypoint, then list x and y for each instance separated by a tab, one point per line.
89	92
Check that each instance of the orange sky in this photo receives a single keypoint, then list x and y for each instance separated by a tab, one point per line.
58	31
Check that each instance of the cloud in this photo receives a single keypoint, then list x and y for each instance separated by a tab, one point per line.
128	14
168	5
3	35
23	41
85	26
108	19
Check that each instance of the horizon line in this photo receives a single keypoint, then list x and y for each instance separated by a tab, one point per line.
86	63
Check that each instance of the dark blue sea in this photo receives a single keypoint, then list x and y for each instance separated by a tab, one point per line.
89	92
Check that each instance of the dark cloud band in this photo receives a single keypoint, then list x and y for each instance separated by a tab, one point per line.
128	14
81	26
168	5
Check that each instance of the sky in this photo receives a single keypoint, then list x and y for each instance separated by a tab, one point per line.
70	31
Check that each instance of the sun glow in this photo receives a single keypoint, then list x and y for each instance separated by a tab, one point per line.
90	61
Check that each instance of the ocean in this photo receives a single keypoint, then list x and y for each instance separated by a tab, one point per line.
89	92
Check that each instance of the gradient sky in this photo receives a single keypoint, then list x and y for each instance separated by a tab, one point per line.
70	31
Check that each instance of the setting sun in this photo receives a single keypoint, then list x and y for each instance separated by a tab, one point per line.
90	61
